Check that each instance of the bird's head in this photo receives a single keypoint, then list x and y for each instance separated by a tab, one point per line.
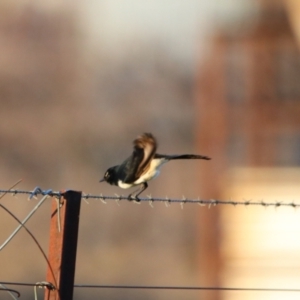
109	176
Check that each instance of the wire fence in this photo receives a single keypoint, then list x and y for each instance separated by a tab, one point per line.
104	198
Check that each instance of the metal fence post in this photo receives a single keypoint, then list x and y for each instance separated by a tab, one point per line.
63	246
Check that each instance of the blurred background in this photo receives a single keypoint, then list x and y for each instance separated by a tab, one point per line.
80	80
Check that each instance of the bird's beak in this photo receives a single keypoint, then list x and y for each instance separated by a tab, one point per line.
102	180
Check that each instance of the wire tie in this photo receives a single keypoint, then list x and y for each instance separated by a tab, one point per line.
33	194
43	284
47	192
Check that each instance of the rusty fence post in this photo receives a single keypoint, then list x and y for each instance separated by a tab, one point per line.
63	246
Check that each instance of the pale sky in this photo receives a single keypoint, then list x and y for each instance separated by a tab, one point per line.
115	26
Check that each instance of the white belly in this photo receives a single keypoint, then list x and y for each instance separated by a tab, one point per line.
146	177
124	185
152	172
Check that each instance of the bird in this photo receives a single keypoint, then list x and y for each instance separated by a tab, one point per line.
141	166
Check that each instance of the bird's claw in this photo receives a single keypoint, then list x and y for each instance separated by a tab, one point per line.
133	198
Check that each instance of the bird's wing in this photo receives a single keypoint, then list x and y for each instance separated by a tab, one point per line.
143	152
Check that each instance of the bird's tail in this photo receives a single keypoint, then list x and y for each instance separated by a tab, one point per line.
182	156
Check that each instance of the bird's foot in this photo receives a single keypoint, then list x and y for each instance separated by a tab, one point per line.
133	198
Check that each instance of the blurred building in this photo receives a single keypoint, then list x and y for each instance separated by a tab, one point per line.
63	123
249	123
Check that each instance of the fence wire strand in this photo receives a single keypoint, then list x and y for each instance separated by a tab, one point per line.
154	287
202	202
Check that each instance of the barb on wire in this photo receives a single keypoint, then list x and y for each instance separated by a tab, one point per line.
167	201
14	185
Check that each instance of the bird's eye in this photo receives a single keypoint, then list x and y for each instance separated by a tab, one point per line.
106	175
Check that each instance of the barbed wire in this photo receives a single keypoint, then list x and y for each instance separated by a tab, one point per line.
209	202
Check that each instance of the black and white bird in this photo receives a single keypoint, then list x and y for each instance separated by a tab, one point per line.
142	166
